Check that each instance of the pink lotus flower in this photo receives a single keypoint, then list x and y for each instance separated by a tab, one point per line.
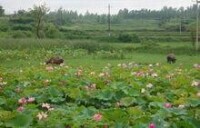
168	105
152	125
97	117
20	109
31	99
22	101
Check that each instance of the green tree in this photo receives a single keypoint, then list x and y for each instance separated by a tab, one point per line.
39	13
1	10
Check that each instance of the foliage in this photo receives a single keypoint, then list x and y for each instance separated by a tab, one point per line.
1	11
51	31
39	12
21	34
124	37
122	95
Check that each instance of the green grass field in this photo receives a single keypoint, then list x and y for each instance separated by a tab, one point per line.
25	52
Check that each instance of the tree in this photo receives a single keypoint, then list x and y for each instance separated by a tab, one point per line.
39	13
1	11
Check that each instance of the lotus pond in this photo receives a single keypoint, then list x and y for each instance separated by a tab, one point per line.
125	95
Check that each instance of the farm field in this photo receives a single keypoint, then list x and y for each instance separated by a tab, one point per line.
99	85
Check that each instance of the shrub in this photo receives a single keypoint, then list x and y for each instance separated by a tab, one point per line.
129	38
21	34
125	37
135	38
51	31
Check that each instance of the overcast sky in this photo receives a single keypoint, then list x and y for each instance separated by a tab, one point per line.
96	6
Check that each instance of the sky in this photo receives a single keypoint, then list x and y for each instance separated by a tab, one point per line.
95	6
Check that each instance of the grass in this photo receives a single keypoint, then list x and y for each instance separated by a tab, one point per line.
21	53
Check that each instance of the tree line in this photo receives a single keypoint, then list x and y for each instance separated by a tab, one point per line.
62	16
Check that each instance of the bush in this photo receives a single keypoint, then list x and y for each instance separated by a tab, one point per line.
22	27
124	37
51	31
135	38
129	38
22	34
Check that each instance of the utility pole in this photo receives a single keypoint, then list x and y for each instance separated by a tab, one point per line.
197	26
180	26
109	21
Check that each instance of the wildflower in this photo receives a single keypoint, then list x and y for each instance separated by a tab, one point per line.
152	125
42	115
143	90
195	83
168	105
3	83
49	68
92	73
118	104
46	82
86	88
150	65
157	64
198	94
50	109
31	99
197	66
181	106
22	101
93	86
79	72
139	74
154	75
97	117
66	66
119	65
20	109
149	85
62	64
46	105
170	76
18	90
101	75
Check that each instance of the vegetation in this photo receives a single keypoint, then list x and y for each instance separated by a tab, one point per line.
103	88
117	80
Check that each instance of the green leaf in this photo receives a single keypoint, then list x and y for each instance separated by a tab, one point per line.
20	121
178	111
2	101
156	104
105	95
127	101
194	102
